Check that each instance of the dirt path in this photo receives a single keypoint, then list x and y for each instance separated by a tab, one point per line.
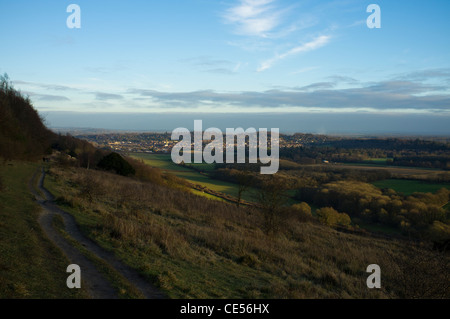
97	285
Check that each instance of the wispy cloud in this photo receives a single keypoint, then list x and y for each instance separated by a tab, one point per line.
389	95
54	87
427	74
52	98
212	65
343	79
317	86
254	17
309	46
102	96
46	97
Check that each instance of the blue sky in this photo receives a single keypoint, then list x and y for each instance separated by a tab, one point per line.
229	56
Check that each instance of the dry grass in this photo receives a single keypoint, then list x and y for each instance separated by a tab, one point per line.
193	247
31	266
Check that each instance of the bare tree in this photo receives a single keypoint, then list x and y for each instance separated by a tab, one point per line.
244	181
271	197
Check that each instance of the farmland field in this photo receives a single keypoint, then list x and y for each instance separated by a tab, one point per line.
410	186
396	171
377	161
164	162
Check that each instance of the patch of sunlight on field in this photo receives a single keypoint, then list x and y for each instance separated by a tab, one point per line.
215	185
164	161
196	192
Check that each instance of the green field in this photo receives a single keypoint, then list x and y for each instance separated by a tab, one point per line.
410	186
209	196
203	167
164	162
380	161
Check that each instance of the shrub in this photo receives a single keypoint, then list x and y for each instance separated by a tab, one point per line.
331	217
439	234
303	211
115	162
90	187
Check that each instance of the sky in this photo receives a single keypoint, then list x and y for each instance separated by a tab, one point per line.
236	57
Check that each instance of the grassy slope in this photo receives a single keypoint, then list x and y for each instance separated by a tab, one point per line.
30	266
178	277
206	254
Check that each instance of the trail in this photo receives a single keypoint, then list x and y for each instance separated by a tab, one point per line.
97	285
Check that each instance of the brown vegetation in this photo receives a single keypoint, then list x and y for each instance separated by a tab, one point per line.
22	132
196	248
331	217
414	214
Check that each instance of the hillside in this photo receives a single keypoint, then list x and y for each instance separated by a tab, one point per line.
185	245
192	247
22	132
30	265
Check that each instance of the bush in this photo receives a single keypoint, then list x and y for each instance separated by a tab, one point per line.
303	211
90	187
331	217
439	234
115	162
145	172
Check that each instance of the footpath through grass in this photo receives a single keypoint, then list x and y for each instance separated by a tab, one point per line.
30	265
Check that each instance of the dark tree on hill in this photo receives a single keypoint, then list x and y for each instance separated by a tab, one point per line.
115	162
244	181
272	196
23	134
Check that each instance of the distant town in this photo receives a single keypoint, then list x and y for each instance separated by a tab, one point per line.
162	143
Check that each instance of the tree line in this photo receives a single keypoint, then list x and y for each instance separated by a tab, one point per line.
417	153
